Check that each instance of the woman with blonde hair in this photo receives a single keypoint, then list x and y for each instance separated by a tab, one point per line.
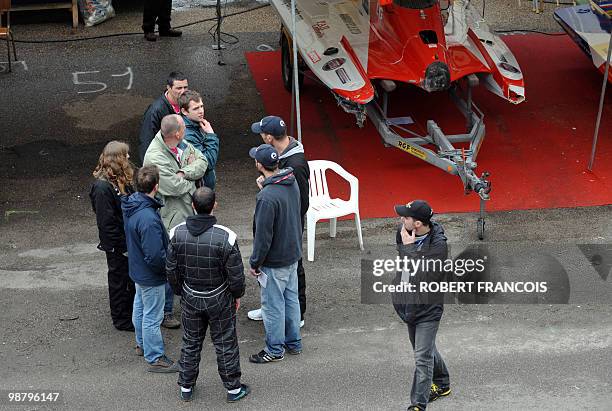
114	174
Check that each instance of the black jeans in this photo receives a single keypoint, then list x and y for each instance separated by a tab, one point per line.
301	288
156	11
301	281
429	365
121	290
199	313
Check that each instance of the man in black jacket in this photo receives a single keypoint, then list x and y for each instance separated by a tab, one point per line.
167	103
419	238
277	247
204	266
273	131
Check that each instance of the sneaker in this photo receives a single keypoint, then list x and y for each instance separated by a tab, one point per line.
139	351
244	391
301	323
150	36
263	357
437	392
255	315
186	396
170	321
170	33
415	408
292	351
163	365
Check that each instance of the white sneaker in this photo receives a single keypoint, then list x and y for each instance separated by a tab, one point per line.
255	315
301	323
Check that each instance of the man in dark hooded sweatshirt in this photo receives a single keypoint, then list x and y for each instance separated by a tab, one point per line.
420	238
204	266
273	131
277	247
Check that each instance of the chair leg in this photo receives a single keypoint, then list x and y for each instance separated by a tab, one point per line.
358	224
311	227
332	227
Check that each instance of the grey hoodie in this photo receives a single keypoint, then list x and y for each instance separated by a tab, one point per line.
294	157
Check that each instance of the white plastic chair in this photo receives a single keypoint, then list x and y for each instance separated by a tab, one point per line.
322	206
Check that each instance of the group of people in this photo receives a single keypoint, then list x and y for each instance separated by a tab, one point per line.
157	227
161	238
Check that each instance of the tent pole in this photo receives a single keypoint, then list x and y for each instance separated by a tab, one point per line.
296	85
601	105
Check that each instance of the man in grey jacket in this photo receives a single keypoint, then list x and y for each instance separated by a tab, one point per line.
180	166
277	247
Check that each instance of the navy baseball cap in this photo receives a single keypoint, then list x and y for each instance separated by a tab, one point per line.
417	209
270	125
265	154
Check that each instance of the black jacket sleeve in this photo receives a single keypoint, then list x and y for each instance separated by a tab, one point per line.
234	269
430	258
108	217
175	276
151	124
437	248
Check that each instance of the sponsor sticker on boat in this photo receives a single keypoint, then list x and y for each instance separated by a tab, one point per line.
343	75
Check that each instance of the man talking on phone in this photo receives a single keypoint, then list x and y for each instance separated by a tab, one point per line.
420	238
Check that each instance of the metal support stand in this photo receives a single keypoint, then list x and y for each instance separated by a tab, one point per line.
296	85
601	105
459	162
219	47
481	220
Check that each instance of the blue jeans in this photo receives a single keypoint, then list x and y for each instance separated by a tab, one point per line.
147	317
169	299
429	365
280	309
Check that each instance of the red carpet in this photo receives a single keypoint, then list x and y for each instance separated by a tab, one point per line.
537	152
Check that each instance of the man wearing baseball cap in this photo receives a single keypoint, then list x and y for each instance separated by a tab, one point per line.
277	247
273	131
420	238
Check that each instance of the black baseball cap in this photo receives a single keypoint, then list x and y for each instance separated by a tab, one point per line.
265	154
270	125
417	209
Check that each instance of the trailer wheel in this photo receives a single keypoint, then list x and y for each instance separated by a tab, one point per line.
287	65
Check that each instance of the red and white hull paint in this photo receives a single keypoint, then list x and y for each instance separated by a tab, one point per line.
349	44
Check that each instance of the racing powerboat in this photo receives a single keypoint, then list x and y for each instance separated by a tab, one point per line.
590	30
362	50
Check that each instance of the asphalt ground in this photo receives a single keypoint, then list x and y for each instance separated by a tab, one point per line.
56	331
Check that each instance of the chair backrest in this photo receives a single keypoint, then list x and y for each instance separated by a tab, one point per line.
318	180
5	5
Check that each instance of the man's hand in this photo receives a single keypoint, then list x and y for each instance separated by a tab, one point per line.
260	181
237	300
180	174
206	127
407	238
255	273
